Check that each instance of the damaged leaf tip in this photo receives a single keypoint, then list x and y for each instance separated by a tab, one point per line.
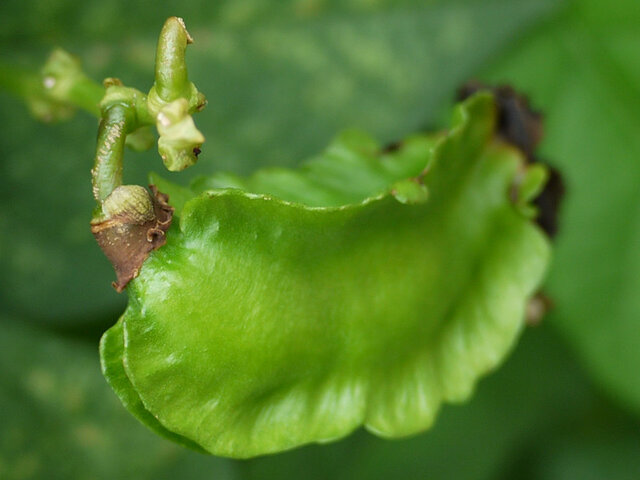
521	126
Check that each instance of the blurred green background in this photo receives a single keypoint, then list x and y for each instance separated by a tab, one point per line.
282	78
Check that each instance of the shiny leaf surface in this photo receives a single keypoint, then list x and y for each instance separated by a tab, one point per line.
265	323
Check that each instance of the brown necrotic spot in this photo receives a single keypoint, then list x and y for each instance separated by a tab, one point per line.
521	126
392	147
127	238
549	202
537	308
518	123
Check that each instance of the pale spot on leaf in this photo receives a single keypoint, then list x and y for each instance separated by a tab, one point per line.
41	383
89	435
25	466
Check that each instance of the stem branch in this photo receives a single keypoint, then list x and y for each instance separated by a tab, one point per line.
112	132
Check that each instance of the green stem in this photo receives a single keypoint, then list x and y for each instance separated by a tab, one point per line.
107	171
172	80
123	111
86	95
42	90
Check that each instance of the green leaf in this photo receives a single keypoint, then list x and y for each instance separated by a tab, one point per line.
351	170
611	452
265	323
60	421
539	394
111	350
281	79
282	55
583	72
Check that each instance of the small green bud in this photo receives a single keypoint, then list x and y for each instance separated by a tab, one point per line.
180	140
64	81
130	201
60	73
45	93
171	77
112	82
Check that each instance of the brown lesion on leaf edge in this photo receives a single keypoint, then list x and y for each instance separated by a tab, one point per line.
521	126
392	147
517	123
127	241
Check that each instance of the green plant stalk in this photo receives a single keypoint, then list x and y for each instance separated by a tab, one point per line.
106	174
130	221
124	110
171	78
86	95
124	113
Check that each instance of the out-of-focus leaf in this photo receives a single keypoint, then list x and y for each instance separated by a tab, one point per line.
38	22
610	454
279	87
583	70
59	420
537	389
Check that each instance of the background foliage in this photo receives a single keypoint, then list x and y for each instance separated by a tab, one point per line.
282	78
